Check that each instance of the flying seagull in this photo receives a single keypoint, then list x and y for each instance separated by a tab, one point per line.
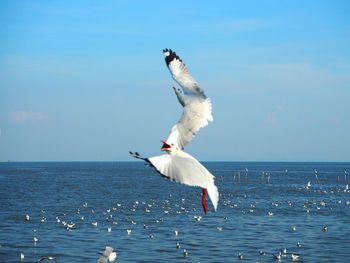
108	254
178	165
197	107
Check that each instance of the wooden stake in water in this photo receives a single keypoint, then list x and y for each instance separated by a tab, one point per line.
338	179
246	175
316	176
239	176
222	179
268	178
345	177
234	177
262	177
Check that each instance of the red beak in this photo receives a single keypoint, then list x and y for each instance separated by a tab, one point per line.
165	146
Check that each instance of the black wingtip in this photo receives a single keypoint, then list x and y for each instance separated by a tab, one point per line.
172	56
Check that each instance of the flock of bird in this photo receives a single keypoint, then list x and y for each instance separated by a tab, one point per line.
178	165
121	217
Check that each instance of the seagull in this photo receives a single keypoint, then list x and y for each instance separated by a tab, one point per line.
49	258
278	257
197	107
185	253
108	254
295	257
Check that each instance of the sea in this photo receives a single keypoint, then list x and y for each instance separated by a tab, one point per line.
266	210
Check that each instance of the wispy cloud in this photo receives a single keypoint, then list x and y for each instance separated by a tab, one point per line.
20	117
270	119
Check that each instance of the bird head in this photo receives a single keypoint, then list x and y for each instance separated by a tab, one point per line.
177	90
179	96
166	146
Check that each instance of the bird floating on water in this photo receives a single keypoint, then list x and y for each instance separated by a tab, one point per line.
295	257
185	253
178	165
278	257
46	258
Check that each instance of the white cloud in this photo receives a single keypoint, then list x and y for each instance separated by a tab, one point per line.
20	117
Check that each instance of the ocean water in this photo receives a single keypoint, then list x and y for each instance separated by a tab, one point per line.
251	215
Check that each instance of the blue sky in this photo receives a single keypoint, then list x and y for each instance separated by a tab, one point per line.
86	80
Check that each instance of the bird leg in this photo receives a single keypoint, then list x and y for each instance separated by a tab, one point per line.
203	200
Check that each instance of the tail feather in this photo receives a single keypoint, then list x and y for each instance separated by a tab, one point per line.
213	194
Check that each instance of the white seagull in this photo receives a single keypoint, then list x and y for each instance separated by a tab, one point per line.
108	254
177	165
197	107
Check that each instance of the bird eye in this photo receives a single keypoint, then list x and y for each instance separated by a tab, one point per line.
172	144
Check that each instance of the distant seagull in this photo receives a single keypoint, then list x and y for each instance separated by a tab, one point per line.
108	254
177	165
178	245
46	258
240	256
185	253
278	257
176	232
27	218
94	224
308	185
128	231
284	254
295	257
325	228
151	236
298	244
22	256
